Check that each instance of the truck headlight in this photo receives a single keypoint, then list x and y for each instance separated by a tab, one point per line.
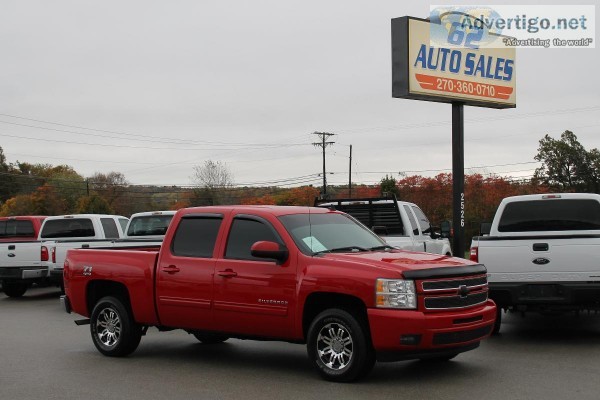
395	293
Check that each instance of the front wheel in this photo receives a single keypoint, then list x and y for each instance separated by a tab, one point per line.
339	347
14	289
114	332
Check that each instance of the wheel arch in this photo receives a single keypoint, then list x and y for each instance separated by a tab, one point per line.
320	301
98	289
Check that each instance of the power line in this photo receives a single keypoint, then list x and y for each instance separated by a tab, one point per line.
156	139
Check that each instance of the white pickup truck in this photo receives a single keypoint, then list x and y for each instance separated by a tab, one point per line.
61	233
20	258
401	224
542	253
148	226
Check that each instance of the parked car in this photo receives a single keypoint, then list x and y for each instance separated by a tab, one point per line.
401	224
150	225
20	258
61	233
542	253
297	274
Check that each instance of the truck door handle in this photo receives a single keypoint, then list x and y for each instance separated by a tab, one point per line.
228	273
171	269
11	247
540	247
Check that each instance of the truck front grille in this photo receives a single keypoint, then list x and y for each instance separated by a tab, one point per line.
454	284
457	301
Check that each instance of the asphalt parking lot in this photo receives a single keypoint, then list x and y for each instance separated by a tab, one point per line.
45	356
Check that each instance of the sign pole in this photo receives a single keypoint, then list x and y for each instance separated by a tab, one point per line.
458	179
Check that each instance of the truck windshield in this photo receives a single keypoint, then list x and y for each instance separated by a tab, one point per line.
322	233
150	225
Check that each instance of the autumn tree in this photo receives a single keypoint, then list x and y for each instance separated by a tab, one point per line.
19	205
113	187
212	179
93	204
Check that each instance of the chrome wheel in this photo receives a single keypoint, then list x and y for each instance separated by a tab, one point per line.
108	327
335	346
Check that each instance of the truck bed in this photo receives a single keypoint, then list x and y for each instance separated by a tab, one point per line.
136	268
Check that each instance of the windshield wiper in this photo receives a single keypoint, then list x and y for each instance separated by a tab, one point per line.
347	249
382	247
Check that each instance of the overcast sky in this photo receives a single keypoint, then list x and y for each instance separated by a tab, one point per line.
169	84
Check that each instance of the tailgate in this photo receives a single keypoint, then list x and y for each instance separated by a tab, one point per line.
20	254
573	259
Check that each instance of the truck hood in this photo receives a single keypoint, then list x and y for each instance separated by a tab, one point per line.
397	261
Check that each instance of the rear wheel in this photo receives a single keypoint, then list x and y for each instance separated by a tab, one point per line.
114	332
339	347
210	338
14	289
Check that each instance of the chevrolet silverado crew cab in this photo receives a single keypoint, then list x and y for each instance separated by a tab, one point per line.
401	224
542	253
20	260
295	274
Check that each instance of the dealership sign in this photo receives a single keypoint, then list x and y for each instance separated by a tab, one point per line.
458	69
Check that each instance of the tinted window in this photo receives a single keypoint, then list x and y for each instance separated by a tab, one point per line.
68	227
150	225
244	233
196	237
16	228
422	220
411	219
110	228
550	215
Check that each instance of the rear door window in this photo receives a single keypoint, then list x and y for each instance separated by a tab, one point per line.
196	236
110	228
67	228
550	215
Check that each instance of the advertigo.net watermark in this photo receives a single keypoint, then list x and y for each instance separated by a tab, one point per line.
497	26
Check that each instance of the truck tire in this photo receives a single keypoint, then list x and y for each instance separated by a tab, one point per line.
210	338
114	332
339	346
14	289
498	322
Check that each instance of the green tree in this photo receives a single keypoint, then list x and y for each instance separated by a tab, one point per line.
567	165
389	185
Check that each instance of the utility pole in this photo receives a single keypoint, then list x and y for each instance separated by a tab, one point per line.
323	136
350	175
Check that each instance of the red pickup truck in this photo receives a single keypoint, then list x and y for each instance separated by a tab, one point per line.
296	274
